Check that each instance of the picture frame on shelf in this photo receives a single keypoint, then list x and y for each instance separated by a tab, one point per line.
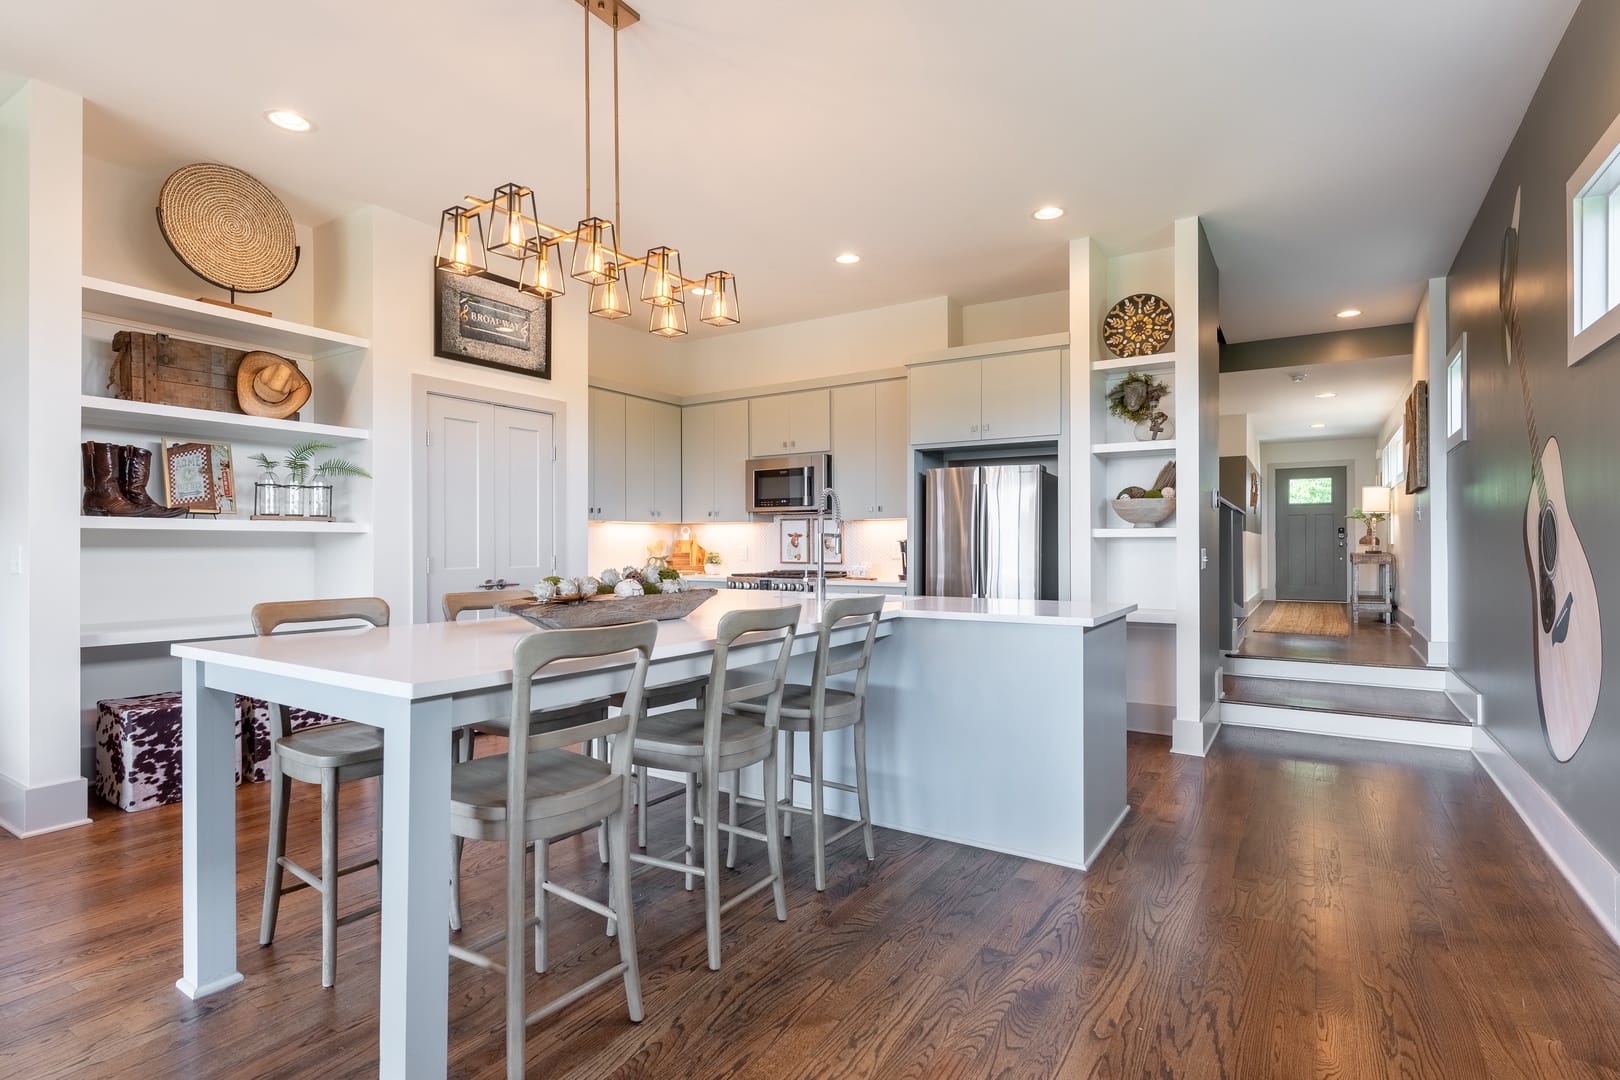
188	476
484	319
796	542
224	478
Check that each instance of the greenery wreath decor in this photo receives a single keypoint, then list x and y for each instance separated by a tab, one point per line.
1136	397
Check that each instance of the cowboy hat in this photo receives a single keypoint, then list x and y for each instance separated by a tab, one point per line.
270	385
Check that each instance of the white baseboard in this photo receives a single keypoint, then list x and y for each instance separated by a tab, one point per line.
34	811
1195	737
1348	725
1593	877
1439	653
1469	701
1150	719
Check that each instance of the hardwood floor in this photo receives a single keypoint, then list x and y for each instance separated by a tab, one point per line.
1370	642
1290	907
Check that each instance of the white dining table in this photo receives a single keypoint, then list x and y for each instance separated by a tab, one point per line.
416	683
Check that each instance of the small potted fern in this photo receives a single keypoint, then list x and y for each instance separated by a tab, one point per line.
308	491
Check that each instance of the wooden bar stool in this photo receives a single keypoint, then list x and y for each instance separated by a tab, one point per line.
704	743
555	793
817	709
329	755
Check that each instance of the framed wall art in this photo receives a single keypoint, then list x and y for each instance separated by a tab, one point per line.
796	537
188	476
484	319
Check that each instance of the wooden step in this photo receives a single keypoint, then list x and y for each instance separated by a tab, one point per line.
1385	714
1409	678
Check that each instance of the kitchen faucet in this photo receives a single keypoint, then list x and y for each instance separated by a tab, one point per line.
828	501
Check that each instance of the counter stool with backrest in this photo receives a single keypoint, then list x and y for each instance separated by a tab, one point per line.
705	742
329	755
817	709
555	793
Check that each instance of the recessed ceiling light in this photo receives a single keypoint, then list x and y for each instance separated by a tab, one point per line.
1318	425
1047	213
287	120
698	290
1327	394
848	258
1349	313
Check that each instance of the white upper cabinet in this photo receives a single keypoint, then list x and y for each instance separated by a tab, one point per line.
988	398
945	402
714	455
1021	395
869	448
607	441
798	423
652	488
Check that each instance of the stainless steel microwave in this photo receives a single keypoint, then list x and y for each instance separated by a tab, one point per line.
787	485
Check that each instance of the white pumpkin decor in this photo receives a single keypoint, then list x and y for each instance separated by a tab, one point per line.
628	588
544	590
673	585
611	577
568	588
589	586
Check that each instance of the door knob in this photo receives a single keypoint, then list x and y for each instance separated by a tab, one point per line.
489	583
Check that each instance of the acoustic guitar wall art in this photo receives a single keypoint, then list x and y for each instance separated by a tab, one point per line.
1568	634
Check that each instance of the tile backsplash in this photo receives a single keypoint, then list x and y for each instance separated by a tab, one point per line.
745	546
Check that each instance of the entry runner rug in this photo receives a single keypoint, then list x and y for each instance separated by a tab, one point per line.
1321	620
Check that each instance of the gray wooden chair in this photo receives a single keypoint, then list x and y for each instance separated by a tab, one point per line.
555	793
329	755
454	603
705	742
817	709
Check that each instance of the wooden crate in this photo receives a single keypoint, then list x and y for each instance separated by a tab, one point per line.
164	370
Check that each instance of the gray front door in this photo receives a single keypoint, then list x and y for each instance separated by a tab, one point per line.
1311	533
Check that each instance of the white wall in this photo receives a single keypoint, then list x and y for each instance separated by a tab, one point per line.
1238	438
1023	316
1433	532
1401	531
41	151
1359	455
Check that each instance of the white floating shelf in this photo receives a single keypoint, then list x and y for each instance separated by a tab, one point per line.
1162	446
123	415
117	302
221	525
1156	362
94	635
1153	616
1134	534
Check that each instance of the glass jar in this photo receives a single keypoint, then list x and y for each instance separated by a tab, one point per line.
294	500
267	494
318	497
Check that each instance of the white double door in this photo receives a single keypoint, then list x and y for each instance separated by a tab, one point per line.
491	497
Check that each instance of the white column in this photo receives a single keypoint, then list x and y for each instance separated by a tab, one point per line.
415	1005
41	253
208	834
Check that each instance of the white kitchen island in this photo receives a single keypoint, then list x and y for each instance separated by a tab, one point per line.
994	723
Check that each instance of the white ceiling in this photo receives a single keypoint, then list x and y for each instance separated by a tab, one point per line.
1366	394
1337	151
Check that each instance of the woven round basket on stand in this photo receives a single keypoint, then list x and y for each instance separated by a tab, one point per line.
228	228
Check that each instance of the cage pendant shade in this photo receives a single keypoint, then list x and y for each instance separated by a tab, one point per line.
611	299
461	242
595	252
720	299
542	272
512	216
661	277
668	320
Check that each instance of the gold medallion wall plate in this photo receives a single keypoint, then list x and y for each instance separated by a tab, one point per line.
1139	325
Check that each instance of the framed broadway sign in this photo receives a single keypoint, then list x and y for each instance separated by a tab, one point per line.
484	319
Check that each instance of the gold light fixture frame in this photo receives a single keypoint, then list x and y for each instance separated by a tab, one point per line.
512	207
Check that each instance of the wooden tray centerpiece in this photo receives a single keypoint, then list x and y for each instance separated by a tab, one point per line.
608	610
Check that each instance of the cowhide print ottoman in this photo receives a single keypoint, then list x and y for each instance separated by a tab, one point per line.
138	750
256	740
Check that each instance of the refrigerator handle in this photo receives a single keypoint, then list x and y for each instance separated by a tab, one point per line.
979	534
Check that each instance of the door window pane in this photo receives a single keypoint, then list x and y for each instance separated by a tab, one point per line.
1310	490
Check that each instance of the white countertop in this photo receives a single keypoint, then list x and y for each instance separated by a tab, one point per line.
424	660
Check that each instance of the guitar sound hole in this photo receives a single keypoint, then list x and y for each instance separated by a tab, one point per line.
1548	532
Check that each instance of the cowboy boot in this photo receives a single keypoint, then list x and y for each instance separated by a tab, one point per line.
85	451
134	471
104	498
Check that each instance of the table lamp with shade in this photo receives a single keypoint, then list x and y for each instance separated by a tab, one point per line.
1374	509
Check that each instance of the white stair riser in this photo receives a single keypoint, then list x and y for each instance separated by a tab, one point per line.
1348	725
1349	674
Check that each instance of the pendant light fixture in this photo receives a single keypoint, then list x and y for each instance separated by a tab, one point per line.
516	232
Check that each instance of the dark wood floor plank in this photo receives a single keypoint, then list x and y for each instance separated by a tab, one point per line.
1289	907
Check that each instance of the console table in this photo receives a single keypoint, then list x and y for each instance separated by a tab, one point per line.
1381	601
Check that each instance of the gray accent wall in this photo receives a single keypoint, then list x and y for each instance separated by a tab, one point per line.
1332	347
1489	478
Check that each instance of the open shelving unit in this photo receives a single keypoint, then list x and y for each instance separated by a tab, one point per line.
153	581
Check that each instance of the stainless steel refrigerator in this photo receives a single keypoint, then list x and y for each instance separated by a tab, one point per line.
990	531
